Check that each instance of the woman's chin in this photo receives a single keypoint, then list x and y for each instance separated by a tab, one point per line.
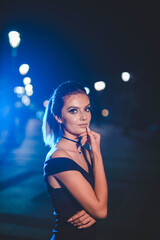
79	133
82	130
76	133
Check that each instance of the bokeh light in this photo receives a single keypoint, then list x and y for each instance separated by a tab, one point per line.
24	68
105	112
45	103
18	105
14	38
27	80
29	93
125	76
39	114
29	87
99	86
26	100
19	90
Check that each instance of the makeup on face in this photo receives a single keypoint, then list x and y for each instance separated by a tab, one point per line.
75	114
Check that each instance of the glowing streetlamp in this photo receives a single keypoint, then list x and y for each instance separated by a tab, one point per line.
26	100
24	68
99	86
26	80
14	39
125	76
105	112
45	103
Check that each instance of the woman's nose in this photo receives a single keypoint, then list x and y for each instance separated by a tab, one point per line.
83	116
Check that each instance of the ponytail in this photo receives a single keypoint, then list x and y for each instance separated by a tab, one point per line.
50	127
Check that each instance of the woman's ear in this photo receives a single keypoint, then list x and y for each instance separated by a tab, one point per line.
58	119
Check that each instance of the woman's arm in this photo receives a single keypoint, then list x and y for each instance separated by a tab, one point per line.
93	201
81	190
100	186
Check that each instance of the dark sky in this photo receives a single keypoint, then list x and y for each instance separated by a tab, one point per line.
87	41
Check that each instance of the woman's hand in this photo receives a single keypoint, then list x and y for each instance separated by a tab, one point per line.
92	138
82	219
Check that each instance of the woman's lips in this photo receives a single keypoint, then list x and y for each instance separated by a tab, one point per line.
83	125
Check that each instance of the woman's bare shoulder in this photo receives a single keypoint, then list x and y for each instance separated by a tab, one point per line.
58	152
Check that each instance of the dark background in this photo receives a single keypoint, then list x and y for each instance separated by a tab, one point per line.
85	41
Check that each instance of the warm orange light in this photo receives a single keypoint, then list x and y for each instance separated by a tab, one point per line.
105	112
45	103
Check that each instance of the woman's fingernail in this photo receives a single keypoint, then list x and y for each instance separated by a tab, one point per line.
69	220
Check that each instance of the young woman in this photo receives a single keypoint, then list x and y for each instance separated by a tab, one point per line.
74	175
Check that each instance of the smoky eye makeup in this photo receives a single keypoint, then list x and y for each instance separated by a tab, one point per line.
88	108
73	110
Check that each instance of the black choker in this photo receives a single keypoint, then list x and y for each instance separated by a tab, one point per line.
78	142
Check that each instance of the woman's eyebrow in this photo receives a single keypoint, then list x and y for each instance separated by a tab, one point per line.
88	105
78	107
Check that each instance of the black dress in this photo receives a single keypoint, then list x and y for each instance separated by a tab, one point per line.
65	205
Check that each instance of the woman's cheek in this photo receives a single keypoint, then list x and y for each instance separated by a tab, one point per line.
72	119
71	122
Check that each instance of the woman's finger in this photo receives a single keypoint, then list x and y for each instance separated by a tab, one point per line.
83	141
88	224
92	133
76	216
81	222
82	218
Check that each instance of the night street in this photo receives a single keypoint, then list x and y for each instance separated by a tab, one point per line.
132	170
62	65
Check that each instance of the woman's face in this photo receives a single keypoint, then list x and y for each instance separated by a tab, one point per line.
75	114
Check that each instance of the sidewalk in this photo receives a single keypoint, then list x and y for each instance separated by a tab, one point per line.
25	208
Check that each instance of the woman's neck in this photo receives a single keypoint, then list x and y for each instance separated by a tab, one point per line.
71	136
71	143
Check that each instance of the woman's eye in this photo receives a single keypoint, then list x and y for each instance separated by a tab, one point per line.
88	109
72	111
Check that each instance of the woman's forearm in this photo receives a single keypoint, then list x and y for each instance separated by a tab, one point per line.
100	185
99	206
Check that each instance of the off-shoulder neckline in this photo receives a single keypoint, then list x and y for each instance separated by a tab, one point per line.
89	165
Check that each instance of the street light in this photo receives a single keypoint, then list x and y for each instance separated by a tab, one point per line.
99	86
105	112
23	69
125	76
28	87
14	38
19	90
26	80
45	103
26	100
